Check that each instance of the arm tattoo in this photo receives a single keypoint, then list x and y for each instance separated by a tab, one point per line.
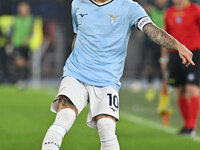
64	101
160	36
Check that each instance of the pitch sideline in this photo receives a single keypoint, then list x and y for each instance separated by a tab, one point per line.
154	125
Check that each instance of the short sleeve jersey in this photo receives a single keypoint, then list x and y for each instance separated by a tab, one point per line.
102	32
184	25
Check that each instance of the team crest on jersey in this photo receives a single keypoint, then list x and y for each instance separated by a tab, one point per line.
113	17
178	20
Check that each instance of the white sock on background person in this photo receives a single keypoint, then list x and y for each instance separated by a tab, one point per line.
63	122
106	129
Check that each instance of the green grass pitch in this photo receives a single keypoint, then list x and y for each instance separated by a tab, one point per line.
25	117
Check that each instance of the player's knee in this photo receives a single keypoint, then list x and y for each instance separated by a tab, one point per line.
192	90
181	91
65	102
106	129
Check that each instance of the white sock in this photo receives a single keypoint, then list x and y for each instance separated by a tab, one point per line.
63	122
106	129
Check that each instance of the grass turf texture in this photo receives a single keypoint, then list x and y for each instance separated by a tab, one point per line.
25	117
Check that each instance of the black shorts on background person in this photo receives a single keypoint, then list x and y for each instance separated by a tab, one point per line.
181	75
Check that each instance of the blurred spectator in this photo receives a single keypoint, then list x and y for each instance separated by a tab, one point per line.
2	55
20	39
151	51
5	24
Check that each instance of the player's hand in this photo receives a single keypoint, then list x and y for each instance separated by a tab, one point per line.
186	55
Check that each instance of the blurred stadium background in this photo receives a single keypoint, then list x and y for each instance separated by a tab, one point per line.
24	110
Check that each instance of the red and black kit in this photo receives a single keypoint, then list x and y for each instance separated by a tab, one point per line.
184	25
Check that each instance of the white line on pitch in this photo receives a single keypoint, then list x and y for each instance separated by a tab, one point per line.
154	125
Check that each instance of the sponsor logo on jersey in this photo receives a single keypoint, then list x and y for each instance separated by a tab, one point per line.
113	109
82	15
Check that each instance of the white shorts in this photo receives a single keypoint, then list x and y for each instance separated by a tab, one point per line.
102	100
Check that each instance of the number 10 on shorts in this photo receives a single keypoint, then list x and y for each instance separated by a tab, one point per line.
113	100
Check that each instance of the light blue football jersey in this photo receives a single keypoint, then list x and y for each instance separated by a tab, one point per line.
102	32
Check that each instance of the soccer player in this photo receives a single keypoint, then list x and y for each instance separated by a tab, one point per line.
183	22
94	68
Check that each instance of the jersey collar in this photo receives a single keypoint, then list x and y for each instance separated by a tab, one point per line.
103	4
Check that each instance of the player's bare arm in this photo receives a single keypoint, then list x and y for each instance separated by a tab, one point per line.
162	38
